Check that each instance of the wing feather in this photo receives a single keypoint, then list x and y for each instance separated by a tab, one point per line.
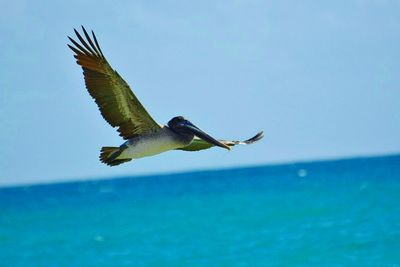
116	101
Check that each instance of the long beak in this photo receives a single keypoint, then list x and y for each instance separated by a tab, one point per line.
199	133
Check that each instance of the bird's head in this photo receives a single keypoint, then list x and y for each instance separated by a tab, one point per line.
182	126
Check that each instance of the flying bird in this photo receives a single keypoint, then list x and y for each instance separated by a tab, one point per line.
120	108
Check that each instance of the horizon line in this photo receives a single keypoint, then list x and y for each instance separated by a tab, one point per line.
106	178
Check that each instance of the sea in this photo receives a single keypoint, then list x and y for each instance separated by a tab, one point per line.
325	213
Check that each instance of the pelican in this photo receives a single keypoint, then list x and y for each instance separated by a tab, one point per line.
120	108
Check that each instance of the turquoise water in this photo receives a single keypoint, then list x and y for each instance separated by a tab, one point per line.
338	213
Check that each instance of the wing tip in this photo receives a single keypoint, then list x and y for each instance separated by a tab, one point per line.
87	47
257	137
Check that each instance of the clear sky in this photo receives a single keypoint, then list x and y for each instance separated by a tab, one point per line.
321	78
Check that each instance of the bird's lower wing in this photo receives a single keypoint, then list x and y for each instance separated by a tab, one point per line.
199	144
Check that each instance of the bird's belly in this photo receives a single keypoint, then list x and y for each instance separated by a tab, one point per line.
149	146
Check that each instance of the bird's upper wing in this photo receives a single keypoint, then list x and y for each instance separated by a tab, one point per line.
117	103
199	144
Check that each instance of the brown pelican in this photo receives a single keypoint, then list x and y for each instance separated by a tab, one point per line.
120	108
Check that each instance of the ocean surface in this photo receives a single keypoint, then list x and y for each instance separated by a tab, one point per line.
332	213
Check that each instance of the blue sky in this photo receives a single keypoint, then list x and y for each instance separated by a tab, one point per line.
321	78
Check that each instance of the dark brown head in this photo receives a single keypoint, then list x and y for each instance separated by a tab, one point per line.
183	127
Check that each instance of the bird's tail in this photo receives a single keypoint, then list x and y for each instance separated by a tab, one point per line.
108	155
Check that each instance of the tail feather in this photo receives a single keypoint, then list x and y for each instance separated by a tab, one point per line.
108	155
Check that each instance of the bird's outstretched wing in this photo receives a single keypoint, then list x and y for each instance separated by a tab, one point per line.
199	144
117	103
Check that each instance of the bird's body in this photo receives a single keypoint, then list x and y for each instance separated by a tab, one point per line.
120	108
153	144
